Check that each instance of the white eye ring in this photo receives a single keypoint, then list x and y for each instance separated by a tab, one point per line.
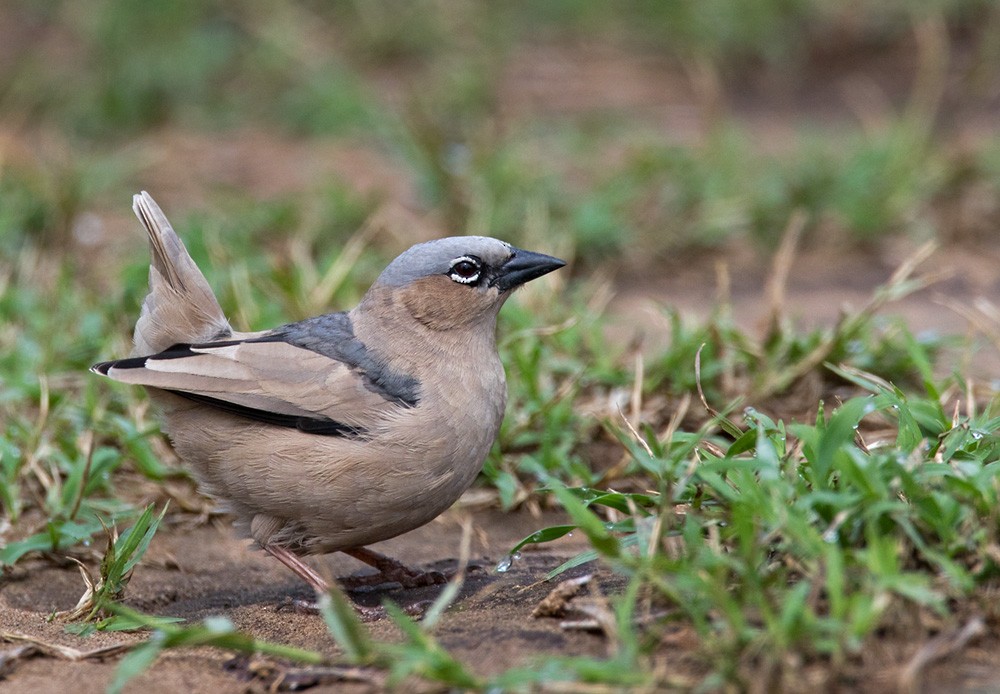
461	277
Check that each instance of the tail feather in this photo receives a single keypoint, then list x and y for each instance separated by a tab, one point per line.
180	306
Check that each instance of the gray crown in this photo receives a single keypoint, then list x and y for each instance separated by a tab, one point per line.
435	257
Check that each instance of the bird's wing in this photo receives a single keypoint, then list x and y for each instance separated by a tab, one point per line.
271	379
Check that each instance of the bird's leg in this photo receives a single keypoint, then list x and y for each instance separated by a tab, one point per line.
299	567
389	571
320	585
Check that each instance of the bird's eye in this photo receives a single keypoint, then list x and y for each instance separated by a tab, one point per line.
465	270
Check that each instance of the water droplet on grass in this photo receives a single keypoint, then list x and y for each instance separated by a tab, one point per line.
503	566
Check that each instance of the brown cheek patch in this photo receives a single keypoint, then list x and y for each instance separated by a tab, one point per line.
441	304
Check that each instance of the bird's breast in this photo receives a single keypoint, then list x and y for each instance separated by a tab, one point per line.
459	413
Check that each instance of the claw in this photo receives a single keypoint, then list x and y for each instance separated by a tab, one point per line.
389	571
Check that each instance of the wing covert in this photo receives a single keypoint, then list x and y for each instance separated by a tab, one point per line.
267	377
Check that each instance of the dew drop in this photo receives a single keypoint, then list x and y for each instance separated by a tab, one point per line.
503	566
218	625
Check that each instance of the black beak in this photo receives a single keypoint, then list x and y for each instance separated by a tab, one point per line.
524	266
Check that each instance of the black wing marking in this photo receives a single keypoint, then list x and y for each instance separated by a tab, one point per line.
321	426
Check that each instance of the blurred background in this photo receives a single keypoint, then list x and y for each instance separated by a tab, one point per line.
632	134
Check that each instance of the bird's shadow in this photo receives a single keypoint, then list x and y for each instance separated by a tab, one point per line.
286	593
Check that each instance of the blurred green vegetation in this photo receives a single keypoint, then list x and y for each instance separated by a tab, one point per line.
110	67
425	83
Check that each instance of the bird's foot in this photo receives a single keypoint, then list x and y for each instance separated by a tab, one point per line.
389	571
372	614
297	606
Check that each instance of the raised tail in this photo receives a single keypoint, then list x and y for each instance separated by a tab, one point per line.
180	306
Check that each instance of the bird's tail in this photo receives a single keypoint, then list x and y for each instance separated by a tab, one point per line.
180	306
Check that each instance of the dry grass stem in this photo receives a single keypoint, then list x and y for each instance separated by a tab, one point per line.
55	650
777	281
938	648
556	603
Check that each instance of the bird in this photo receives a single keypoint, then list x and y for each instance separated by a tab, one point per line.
338	431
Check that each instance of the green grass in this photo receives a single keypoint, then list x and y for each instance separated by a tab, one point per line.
794	544
121	555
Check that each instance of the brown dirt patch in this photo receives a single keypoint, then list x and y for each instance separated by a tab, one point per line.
198	572
823	283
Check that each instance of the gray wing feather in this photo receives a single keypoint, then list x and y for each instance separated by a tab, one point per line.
265	375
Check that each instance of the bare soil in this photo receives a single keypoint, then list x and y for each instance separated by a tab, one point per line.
823	284
201	571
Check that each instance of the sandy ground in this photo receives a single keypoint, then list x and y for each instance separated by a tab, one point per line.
203	571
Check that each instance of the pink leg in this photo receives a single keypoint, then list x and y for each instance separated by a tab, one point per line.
319	584
390	571
299	567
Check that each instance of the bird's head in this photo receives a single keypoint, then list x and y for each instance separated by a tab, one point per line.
460	280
